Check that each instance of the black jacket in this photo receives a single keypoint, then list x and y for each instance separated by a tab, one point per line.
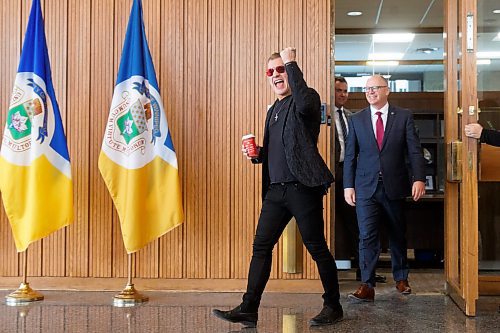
490	137
300	135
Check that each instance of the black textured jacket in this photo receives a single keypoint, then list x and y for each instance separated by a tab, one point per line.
490	137
300	135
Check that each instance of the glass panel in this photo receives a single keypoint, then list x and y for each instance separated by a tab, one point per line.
488	67
412	66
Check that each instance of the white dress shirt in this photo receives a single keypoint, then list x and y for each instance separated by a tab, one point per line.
385	111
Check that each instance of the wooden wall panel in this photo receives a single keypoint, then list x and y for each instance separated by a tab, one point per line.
219	140
101	92
243	93
78	106
196	86
171	76
210	58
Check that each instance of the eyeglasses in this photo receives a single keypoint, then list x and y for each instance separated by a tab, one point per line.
279	69
373	88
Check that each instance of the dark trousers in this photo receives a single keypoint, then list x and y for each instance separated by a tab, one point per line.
346	224
283	201
370	212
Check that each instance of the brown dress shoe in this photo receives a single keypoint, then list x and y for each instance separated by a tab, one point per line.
363	294
403	287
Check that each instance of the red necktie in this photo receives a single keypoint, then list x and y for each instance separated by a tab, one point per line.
379	126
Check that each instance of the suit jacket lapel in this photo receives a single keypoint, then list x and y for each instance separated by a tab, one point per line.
391	115
367	124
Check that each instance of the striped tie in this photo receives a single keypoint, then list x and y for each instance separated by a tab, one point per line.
342	123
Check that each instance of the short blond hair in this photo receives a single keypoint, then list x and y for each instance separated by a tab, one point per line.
273	56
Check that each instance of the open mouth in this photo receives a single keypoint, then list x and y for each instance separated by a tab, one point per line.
279	83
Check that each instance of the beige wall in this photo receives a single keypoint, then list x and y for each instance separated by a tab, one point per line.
209	57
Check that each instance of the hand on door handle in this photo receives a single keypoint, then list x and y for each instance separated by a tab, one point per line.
473	130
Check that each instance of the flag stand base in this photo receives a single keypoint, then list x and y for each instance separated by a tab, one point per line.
129	297
24	294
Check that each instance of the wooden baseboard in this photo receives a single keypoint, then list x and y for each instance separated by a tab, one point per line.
183	285
489	285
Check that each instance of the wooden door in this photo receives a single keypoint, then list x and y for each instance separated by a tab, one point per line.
461	192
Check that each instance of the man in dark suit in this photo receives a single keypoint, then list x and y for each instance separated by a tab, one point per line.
382	138
346	225
294	180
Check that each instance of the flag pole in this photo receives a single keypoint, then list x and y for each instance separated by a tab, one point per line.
129	296
24	294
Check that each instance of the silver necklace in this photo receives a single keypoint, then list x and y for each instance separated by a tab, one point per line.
278	112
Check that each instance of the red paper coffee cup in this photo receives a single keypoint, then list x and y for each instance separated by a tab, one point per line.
248	142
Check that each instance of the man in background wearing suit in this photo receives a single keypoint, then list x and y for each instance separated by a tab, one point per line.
346	225
381	139
294	180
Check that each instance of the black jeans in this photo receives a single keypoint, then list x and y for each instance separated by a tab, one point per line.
283	201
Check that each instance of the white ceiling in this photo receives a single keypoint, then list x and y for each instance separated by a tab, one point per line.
389	13
401	16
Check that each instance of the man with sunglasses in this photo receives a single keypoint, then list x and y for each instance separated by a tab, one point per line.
382	139
294	180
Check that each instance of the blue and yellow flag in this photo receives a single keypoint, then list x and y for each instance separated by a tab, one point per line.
137	160
35	171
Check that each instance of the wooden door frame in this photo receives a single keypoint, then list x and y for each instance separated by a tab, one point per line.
461	264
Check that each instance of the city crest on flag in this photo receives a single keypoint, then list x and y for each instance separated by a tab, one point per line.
26	115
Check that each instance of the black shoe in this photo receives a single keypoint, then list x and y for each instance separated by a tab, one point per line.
327	316
247	319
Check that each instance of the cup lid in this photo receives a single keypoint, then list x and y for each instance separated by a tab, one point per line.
248	136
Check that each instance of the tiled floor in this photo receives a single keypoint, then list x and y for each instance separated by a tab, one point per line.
427	310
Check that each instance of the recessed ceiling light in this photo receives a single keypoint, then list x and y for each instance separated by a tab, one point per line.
354	13
393	38
386	56
496	11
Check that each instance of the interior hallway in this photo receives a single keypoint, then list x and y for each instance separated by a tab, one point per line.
426	310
